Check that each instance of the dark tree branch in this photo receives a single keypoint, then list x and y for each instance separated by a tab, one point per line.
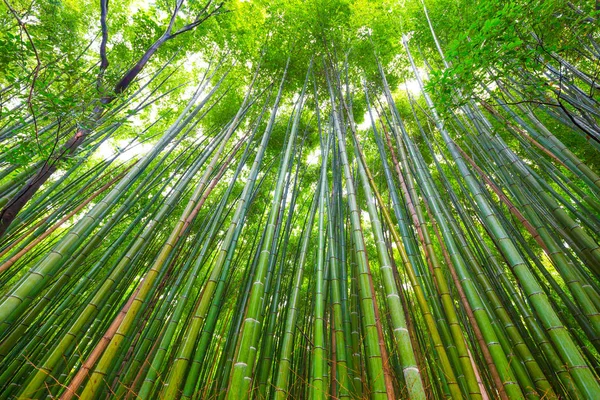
169	29
167	35
135	70
103	58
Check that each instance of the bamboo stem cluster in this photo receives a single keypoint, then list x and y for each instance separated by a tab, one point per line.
438	252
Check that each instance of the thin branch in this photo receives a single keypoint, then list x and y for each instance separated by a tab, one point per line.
169	29
199	21
36	70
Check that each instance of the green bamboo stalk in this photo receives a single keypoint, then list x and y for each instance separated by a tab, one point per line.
567	349
367	305
239	386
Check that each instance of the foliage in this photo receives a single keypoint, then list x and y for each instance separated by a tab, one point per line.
300	199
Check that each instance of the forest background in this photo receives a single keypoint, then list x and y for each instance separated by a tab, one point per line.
299	199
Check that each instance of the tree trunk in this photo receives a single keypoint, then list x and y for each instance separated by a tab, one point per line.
23	196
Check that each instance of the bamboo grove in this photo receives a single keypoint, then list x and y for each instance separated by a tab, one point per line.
327	218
